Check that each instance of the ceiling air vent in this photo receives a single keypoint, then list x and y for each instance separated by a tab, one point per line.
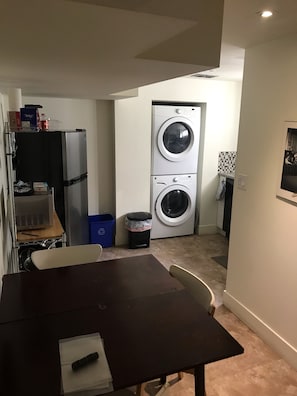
203	75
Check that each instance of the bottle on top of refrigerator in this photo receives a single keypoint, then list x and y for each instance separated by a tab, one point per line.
44	125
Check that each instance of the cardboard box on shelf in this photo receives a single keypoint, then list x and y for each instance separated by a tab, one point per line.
14	119
40	187
30	118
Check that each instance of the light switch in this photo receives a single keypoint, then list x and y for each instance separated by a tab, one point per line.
242	182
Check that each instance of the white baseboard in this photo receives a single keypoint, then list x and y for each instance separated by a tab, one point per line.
207	229
220	231
266	333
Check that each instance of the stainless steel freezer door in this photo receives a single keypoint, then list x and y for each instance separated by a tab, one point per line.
76	213
74	146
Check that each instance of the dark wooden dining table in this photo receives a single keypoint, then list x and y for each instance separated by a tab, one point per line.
151	326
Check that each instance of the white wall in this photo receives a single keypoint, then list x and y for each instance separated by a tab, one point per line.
105	155
262	269
133	143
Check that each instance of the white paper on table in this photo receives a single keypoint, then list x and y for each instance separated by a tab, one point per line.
93	377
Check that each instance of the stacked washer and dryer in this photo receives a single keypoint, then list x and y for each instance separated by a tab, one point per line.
175	147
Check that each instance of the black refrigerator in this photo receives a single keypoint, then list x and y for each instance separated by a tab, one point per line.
60	159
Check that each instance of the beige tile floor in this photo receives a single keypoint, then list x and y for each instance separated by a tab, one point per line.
259	371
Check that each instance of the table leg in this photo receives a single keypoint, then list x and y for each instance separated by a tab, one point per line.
163	380
199	380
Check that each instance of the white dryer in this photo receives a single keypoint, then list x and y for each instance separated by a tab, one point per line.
175	139
173	205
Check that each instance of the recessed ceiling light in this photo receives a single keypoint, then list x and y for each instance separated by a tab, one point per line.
266	14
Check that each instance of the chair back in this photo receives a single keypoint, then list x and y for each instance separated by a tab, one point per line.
196	287
66	256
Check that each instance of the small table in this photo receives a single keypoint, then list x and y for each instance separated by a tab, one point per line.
30	238
150	325
53	232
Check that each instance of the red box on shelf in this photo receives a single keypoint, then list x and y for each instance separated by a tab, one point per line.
14	119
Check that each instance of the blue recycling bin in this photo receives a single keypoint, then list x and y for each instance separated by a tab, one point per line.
102	229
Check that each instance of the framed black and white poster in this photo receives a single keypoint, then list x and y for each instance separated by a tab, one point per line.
287	182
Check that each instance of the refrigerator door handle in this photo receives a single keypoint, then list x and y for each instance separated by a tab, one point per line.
75	180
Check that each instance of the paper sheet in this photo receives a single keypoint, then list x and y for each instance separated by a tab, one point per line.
93	379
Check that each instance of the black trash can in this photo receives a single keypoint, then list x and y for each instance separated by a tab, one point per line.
139	226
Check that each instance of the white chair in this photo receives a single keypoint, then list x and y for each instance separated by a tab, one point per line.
196	287
66	256
202	293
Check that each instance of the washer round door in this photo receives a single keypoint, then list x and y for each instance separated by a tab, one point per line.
176	138
174	205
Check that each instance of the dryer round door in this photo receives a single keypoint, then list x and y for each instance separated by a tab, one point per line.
174	205
176	138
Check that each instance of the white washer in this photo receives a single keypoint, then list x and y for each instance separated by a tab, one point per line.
173	205
175	139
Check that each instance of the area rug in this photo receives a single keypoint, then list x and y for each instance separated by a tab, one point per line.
222	260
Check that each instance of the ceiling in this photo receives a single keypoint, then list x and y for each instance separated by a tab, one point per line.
105	49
